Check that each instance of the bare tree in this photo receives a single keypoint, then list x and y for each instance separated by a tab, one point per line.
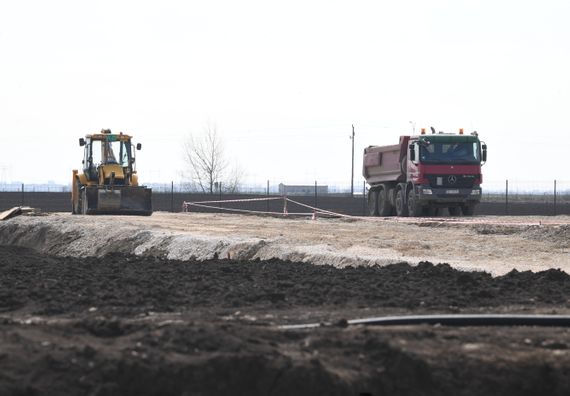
233	178
208	164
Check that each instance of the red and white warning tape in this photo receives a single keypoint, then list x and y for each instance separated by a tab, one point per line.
323	212
203	204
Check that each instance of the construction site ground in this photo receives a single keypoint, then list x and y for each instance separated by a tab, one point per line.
194	304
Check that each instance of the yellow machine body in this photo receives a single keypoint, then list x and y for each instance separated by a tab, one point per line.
108	183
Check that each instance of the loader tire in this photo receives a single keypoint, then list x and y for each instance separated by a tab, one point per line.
76	204
83	200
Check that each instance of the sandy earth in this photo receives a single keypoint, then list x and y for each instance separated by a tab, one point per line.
153	306
487	243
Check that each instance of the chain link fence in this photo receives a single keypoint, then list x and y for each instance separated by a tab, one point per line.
499	197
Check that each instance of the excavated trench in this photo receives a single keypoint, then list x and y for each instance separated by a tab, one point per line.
88	313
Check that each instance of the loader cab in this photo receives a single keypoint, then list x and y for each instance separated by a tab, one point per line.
89	162
105	151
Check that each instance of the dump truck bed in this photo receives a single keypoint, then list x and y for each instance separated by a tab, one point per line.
384	163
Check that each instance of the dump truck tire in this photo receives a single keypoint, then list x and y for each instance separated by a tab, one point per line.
414	210
384	205
401	207
373	202
468	210
454	210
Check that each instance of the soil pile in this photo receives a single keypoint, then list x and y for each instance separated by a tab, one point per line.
129	325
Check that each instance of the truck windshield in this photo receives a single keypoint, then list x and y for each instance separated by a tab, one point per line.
450	153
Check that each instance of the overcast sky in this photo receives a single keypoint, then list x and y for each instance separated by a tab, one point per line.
283	82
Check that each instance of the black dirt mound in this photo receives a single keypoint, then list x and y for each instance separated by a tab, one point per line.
128	285
124	325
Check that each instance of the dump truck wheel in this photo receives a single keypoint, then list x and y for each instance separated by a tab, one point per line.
384	205
430	211
468	210
414	209
454	211
401	208
373	202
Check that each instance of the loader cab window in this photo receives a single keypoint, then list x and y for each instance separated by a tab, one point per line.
124	154
95	153
116	152
91	159
108	153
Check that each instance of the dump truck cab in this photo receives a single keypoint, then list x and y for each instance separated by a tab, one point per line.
444	170
108	183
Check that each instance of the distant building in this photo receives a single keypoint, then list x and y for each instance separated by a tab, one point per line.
302	190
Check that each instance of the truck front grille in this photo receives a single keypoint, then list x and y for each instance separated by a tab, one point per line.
451	181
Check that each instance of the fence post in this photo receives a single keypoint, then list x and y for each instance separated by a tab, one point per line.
364	198
172	196
315	194
554	197
22	203
267	195
507	196
220	185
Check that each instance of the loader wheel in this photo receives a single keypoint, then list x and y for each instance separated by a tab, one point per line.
76	204
401	208
384	205
83	200
414	209
373	202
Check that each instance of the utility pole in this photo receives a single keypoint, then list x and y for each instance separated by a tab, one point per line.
352	173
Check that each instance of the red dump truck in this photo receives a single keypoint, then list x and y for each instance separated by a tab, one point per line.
424	173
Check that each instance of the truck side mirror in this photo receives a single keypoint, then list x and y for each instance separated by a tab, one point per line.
81	142
139	146
412	152
484	152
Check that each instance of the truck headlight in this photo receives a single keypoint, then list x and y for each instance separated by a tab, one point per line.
475	192
426	191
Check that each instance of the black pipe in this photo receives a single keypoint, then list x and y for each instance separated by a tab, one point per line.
453	320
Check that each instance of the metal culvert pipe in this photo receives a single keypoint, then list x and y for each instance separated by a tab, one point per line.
450	320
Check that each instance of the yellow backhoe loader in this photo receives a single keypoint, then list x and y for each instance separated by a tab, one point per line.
108	183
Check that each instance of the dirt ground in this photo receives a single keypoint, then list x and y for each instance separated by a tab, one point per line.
489	243
101	307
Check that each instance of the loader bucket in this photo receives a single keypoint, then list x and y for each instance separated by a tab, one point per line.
122	200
